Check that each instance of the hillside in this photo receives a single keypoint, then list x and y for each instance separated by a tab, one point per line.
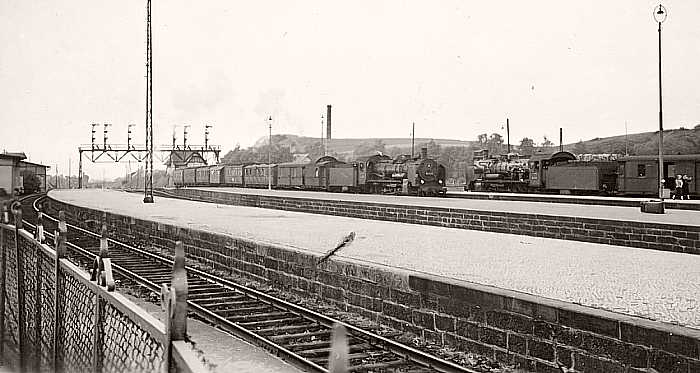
676	141
301	144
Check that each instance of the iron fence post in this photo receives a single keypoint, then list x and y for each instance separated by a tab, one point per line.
37	307
21	305
60	237
102	274
98	338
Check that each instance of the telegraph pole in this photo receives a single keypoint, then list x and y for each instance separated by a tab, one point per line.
508	133
269	157
148	176
413	138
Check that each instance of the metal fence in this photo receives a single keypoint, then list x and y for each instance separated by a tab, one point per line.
54	318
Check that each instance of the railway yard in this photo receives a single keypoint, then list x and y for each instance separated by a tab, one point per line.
414	296
460	248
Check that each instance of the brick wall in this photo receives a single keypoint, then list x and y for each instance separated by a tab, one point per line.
668	237
533	332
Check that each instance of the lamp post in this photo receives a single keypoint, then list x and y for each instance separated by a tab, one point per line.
269	156
660	15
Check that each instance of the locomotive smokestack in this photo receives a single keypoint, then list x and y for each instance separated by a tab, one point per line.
328	122
423	153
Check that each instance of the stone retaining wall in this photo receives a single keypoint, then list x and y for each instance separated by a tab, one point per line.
533	332
668	237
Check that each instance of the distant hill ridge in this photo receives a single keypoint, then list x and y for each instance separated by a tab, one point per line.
676	141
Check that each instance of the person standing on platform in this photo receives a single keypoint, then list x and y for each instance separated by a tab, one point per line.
679	187
686	187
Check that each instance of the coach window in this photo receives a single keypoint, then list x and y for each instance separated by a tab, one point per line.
641	170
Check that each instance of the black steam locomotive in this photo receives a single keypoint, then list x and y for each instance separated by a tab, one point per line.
562	172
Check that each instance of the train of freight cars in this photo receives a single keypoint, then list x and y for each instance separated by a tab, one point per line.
374	174
563	173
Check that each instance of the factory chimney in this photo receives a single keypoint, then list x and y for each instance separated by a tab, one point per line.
424	153
328	122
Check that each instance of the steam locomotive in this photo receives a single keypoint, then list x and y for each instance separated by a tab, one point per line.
378	174
562	172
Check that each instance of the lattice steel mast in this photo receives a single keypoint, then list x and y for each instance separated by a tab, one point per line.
148	176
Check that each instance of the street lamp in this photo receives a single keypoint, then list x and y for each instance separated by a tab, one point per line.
269	156
660	15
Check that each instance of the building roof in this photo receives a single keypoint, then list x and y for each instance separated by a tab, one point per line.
13	155
33	164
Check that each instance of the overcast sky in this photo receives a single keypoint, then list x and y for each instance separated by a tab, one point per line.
456	68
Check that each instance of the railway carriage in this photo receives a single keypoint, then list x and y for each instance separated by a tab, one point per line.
189	176
342	177
215	175
201	176
256	175
291	175
639	175
178	177
232	175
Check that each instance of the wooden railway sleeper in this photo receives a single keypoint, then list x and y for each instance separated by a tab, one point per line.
258	317
243	310
225	306
310	326
312	335
258	324
216	301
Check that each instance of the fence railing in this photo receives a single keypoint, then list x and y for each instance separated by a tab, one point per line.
56	317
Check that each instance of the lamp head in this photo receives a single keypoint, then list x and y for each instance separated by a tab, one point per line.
660	13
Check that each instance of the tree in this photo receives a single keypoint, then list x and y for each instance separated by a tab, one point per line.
527	146
483	139
546	143
495	143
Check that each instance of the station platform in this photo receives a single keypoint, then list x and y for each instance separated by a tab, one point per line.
693	204
655	285
619	213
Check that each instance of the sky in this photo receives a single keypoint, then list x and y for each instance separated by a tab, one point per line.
455	68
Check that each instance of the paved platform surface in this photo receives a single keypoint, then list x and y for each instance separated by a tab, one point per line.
657	285
681	217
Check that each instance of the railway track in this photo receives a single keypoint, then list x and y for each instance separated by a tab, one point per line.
297	334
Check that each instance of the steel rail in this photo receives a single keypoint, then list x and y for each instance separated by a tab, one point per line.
409	353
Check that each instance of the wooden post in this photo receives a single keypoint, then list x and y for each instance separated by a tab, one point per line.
179	287
102	267
39	234
21	302
338	358
60	237
174	303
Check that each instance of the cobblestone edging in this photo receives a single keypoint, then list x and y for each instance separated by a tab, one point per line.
666	237
534	332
